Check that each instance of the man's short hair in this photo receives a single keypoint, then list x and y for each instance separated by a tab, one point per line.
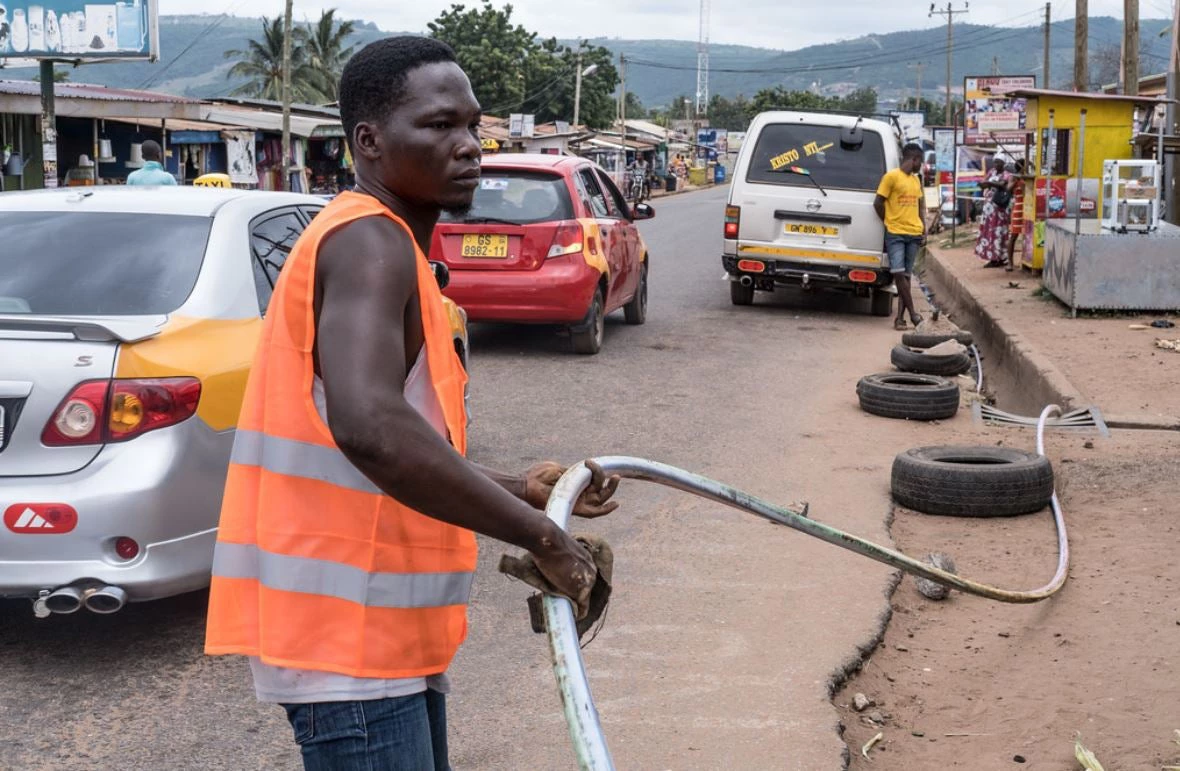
374	80
913	149
152	151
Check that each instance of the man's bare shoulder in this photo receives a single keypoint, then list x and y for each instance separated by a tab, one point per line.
369	246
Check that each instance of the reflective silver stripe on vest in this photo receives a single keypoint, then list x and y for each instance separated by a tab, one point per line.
333	579
299	459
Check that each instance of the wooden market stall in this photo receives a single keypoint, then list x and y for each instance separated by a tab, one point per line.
1056	186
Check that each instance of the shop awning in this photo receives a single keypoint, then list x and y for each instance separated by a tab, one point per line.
272	122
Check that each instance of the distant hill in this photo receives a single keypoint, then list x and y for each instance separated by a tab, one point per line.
659	71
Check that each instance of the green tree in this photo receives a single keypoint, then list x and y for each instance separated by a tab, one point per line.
261	65
635	108
732	115
326	50
493	51
550	84
863	100
779	98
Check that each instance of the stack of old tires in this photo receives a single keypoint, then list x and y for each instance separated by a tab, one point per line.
920	389
949	480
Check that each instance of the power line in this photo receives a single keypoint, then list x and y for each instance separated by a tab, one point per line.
209	28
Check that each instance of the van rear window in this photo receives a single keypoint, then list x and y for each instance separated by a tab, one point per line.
782	146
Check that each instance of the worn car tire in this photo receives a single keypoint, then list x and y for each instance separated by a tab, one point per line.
635	312
587	335
918	361
931	339
741	295
972	481
908	396
882	303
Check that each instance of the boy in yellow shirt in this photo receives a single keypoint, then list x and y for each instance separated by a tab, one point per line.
902	207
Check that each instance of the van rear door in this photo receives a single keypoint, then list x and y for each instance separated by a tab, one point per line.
786	214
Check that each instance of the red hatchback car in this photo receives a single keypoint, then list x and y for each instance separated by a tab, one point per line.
549	239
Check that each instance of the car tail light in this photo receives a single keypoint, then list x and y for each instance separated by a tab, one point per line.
139	406
100	411
862	276
126	548
567	240
733	216
79	418
752	266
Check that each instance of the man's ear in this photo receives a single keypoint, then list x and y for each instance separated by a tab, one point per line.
366	141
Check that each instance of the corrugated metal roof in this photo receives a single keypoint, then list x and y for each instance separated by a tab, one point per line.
88	91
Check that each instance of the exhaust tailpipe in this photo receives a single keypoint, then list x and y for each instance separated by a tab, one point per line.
106	599
746	281
67	599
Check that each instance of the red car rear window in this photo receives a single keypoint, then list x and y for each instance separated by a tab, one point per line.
520	197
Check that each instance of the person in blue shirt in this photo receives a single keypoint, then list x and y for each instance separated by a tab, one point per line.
152	172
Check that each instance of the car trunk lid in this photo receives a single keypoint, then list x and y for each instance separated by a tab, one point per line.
45	358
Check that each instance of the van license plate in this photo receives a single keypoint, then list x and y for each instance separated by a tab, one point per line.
481	245
798	229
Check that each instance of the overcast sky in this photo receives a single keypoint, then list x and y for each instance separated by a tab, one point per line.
767	23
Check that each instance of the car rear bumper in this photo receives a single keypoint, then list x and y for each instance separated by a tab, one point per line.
785	272
162	489
559	292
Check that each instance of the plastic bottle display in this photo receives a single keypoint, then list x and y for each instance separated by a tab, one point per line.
20	31
130	19
36	22
5	30
52	31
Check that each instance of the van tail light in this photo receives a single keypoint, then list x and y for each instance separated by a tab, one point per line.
733	216
100	411
567	240
862	276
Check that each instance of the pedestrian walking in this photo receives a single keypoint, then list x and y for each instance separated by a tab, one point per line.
902	207
345	551
153	172
992	244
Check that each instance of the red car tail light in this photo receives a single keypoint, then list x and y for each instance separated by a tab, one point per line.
100	411
752	266
139	406
568	239
862	276
733	216
80	417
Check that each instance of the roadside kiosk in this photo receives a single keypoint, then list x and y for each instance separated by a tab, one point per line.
1055	186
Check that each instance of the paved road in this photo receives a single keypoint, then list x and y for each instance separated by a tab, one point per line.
724	631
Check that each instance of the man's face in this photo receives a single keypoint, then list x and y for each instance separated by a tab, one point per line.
427	149
998	165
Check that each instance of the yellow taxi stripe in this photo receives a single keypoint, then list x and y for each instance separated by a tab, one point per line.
810	254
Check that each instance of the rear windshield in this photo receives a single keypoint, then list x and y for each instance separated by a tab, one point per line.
816	149
98	264
518	196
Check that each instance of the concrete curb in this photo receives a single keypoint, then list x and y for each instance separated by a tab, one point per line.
1036	379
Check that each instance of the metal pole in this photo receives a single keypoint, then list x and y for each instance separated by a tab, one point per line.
286	165
578	92
955	182
623	120
1081	43
1048	28
950	47
1077	219
48	126
1171	184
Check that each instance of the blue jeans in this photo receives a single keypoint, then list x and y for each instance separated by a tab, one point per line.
902	251
407	733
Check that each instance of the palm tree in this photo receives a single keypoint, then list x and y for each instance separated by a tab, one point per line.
326	52
261	64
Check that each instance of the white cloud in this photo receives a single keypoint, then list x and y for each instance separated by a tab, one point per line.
768	23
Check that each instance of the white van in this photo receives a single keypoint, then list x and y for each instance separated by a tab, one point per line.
800	207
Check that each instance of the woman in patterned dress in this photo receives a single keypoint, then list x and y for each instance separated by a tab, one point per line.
992	244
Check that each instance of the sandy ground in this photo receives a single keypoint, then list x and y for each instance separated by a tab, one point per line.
970	683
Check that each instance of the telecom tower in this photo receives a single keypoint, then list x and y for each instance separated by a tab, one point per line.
703	61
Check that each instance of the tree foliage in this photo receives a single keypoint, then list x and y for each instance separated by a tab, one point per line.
327	52
261	65
512	71
729	114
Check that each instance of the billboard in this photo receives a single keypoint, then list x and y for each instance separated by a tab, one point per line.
78	29
992	116
911	124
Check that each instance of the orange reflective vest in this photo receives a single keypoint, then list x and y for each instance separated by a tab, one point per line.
316	568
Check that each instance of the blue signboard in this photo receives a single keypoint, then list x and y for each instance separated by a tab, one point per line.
77	29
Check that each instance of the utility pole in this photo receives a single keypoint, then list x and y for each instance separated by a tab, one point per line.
1131	47
1171	183
622	120
949	12
1081	44
1048	30
578	91
995	65
286	165
919	66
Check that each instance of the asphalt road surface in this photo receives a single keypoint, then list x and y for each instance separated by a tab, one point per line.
724	630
